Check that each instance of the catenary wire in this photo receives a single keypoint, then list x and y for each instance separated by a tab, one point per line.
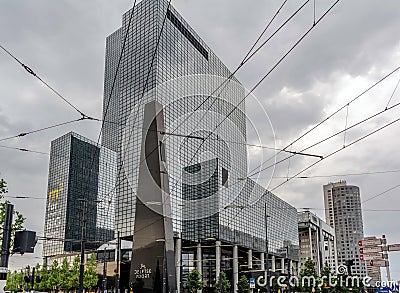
252	173
382	193
30	71
394	91
337	151
329	116
336	175
22	134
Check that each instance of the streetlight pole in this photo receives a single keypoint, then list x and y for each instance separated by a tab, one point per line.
266	216
83	241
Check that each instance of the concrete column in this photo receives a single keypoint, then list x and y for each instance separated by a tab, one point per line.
217	259
283	265
178	263
291	267
262	259
319	265
235	268
273	266
250	259
311	244
198	258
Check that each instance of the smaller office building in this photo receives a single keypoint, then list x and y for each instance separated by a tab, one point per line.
317	241
80	173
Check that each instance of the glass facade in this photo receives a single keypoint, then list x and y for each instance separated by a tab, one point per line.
205	176
78	169
179	78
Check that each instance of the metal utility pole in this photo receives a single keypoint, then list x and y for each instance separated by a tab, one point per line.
104	271
5	250
83	242
266	216
117	269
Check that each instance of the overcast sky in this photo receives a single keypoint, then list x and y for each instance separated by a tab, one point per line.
354	46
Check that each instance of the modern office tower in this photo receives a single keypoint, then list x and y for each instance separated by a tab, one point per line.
181	76
343	214
78	170
165	60
316	241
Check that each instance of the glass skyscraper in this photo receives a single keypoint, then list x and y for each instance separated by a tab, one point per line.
78	170
165	60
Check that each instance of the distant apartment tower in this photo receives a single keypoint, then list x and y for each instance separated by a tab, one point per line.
316	241
79	170
343	214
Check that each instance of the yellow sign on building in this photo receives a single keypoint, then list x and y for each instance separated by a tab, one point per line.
53	194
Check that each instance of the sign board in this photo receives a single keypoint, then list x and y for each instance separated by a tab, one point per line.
370	249
394	247
3	270
370	242
379	263
252	283
371	256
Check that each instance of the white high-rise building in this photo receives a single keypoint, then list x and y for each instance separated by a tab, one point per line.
343	213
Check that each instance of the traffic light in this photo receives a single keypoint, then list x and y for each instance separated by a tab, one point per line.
24	241
27	279
39	279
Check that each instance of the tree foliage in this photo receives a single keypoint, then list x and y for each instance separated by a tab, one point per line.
64	276
194	281
19	219
308	277
91	278
226	285
243	285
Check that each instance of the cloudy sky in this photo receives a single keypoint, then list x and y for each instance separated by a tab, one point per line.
353	47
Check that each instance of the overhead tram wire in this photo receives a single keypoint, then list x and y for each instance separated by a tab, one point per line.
22	134
382	193
252	172
30	71
263	32
24	150
337	151
330	116
337	175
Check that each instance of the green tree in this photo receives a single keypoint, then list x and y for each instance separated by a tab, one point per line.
243	285
194	281
44	273
91	278
54	275
74	276
226	285
308	277
19	219
64	275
